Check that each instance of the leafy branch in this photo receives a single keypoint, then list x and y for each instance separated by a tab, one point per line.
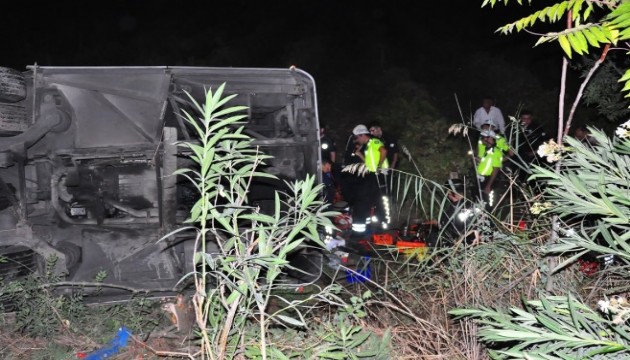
578	37
554	327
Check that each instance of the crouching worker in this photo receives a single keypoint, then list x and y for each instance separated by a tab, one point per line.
371	191
489	166
457	217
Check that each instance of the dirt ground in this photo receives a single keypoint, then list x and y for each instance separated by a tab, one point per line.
163	343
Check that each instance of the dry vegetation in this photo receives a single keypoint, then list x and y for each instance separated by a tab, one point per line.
409	304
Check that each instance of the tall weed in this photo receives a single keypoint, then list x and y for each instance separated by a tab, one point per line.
242	253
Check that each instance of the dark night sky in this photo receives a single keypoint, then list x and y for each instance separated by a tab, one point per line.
432	41
161	32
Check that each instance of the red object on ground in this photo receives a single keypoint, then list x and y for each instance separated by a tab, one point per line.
81	355
588	268
522	225
383	239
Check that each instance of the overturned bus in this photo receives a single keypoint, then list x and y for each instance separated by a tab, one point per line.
86	154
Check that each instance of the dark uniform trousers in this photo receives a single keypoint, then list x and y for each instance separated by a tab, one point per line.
369	195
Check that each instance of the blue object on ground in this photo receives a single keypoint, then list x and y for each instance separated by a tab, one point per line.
114	346
361	274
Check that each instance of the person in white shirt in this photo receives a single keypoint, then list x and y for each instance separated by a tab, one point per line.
486	112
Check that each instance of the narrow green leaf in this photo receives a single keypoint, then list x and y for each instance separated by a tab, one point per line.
359	339
549	323
575	43
625	77
581	38
576	10
332	355
587	12
568	261
291	321
232	298
562	8
606	350
566	46
551	12
599	34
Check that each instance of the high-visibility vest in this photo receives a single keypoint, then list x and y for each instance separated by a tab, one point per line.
493	158
373	155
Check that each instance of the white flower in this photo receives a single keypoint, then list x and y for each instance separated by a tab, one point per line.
603	306
538	208
551	150
535	209
623	131
455	129
552	158
544	150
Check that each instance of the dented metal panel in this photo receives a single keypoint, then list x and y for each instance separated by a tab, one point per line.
87	176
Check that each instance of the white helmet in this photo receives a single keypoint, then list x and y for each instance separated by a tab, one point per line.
360	130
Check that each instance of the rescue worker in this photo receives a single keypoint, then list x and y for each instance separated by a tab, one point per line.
349	155
501	141
489	111
372	190
531	136
489	166
390	143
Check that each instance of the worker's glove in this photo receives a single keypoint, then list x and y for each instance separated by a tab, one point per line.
384	171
